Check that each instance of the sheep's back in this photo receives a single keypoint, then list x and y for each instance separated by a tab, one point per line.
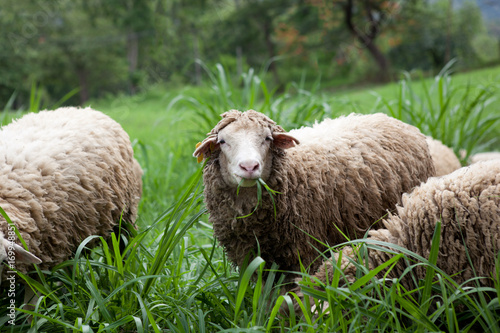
467	202
445	160
72	172
486	156
353	169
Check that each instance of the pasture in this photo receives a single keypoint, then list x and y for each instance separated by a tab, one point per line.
173	277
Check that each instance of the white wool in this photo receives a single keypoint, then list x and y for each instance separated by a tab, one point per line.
68	172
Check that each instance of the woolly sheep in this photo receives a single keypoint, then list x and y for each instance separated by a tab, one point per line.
467	202
486	156
445	160
341	173
64	175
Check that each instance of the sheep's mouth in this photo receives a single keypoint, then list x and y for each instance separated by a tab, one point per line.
245	182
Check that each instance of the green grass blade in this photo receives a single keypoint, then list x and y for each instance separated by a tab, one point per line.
430	272
244	282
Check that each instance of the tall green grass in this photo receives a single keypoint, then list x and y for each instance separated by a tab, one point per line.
171	276
36	103
456	114
373	303
293	107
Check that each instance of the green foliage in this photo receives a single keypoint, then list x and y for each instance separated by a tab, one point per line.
119	287
370	303
115	47
55	44
292	108
434	34
35	104
455	114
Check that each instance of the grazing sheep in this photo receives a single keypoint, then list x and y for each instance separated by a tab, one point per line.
64	175
339	176
492	155
445	160
467	202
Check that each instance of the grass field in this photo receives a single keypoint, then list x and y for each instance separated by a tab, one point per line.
172	277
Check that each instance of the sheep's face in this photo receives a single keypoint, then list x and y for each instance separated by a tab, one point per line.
245	155
245	148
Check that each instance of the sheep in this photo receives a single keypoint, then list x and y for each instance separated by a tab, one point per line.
445	160
64	175
467	202
337	177
486	156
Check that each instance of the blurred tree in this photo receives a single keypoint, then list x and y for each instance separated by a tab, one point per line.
109	46
181	31
427	42
469	26
57	45
423	37
365	20
133	18
250	26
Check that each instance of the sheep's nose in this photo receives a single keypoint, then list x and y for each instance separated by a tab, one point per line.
250	166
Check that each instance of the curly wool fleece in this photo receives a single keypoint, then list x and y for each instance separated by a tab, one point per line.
467	202
65	175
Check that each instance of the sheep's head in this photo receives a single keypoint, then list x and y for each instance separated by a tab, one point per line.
243	142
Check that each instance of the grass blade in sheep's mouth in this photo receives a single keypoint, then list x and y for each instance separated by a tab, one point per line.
260	183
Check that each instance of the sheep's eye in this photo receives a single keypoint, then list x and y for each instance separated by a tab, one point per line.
269	138
221	141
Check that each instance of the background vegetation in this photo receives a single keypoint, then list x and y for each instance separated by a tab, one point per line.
165	70
103	47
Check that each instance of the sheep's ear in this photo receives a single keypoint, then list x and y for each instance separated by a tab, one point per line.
204	148
284	140
22	255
